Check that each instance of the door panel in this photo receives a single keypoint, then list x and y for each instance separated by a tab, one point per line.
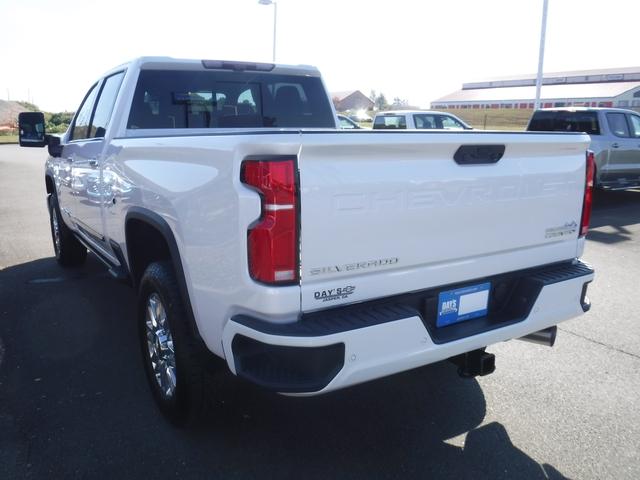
634	124
67	185
621	148
87	165
86	181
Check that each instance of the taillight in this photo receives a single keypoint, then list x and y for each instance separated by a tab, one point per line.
273	241
588	193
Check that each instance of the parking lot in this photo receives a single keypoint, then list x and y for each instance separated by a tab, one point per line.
74	401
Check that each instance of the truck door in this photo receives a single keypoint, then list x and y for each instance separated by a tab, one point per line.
87	165
67	185
634	122
622	148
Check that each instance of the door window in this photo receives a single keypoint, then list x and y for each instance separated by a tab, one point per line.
106	102
83	118
635	125
425	121
451	124
618	124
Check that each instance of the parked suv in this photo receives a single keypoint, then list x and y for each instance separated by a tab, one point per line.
615	139
421	119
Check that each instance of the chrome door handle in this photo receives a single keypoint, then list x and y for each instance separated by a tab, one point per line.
70	159
614	145
93	163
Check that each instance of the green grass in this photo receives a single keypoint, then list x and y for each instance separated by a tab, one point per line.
8	139
494	119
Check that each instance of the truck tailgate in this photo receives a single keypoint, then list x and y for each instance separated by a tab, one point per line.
384	213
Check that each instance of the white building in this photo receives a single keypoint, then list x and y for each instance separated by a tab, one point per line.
614	87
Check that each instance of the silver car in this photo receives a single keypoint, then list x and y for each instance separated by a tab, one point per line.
615	139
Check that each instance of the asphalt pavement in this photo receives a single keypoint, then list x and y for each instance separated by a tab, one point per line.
74	402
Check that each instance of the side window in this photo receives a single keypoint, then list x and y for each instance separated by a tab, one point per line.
635	125
81	123
390	122
105	105
618	124
451	123
425	121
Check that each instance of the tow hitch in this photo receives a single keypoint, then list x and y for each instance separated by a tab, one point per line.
475	363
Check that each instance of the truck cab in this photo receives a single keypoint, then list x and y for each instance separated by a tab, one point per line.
615	140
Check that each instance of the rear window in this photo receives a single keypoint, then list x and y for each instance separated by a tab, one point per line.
563	121
390	122
188	99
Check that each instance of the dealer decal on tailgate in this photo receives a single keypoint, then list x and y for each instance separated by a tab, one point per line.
334	293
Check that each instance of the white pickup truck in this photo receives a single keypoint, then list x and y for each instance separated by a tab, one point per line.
308	258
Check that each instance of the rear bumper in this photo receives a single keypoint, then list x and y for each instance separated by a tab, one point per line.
336	348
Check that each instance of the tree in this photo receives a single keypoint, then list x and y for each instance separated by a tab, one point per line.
57	122
381	102
399	103
29	106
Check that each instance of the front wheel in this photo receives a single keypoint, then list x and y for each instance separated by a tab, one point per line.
69	251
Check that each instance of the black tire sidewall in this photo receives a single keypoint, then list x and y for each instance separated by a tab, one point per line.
53	210
184	405
72	253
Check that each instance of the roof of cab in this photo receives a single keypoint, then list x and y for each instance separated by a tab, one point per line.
585	109
411	112
170	63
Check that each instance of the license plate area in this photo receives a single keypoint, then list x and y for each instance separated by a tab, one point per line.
462	304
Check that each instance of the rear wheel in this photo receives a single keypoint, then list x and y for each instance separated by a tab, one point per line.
69	251
170	354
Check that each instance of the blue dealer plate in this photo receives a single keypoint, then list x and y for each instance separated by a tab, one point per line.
462	304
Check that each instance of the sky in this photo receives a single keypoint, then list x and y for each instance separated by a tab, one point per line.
417	50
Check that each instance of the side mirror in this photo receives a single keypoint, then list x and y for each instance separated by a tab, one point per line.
31	129
54	146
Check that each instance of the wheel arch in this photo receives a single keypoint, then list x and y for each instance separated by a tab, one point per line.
142	225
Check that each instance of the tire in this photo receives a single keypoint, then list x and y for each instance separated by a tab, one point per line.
69	251
171	356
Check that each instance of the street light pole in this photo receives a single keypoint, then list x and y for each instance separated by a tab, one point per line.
275	22
543	32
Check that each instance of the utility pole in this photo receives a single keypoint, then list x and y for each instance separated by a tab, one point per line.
543	32
275	22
